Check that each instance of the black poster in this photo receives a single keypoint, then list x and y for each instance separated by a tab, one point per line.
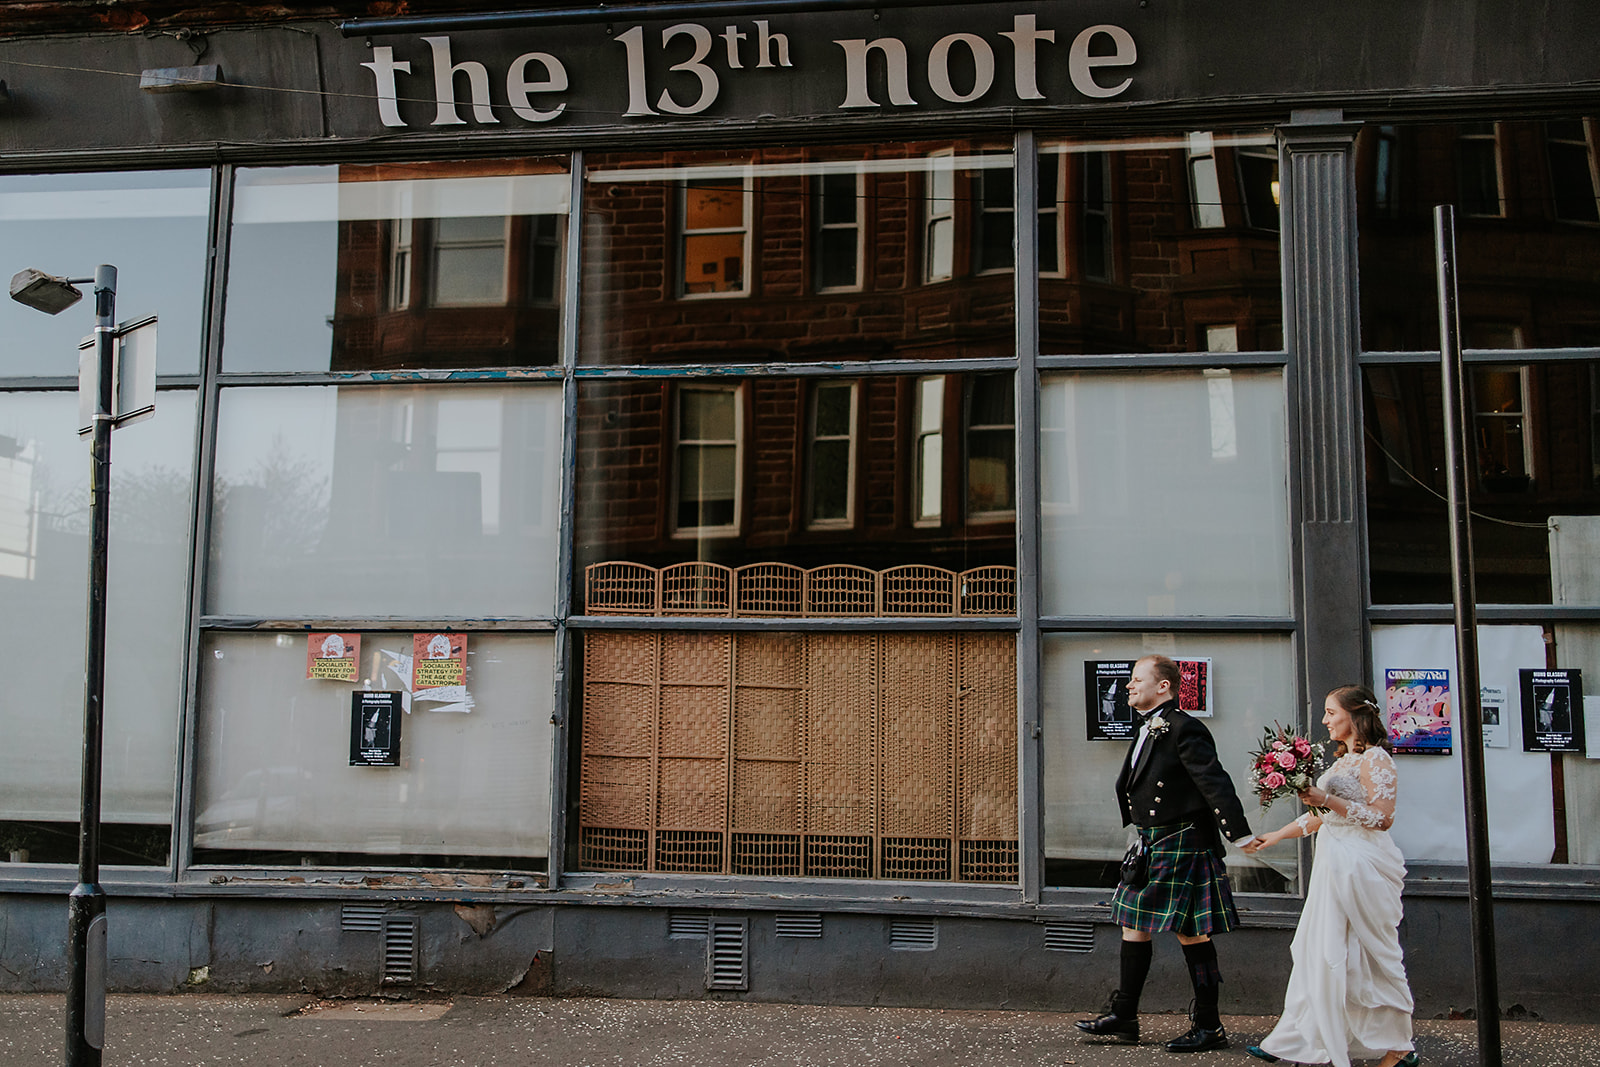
1552	710
1106	690
375	729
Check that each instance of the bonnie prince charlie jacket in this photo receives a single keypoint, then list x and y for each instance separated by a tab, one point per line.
1179	779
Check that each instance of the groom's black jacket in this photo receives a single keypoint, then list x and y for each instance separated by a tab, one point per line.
1179	779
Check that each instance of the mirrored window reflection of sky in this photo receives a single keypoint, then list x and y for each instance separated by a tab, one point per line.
150	225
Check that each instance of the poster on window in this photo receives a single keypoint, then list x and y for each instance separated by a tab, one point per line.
1106	689
333	657
375	728
1552	710
1416	705
1194	686
1494	701
438	660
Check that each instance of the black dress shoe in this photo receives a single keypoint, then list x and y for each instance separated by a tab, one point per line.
1117	1027
1199	1039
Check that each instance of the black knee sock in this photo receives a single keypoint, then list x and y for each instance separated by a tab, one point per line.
1207	978
1135	967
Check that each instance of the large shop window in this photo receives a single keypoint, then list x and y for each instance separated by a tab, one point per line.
44	552
1151	244
276	780
150	225
369	501
1249	685
763	256
1164	494
1536	484
1527	248
396	266
793	475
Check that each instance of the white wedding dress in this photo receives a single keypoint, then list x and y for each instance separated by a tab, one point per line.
1347	994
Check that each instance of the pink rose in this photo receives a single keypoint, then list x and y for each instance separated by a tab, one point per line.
1278	746
1302	747
1286	760
1273	781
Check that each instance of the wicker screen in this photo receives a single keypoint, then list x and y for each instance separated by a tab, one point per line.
850	755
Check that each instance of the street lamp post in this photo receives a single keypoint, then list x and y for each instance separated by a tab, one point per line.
86	908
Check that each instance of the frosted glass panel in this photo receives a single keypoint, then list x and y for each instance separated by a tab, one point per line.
1252	686
273	753
415	502
1164	494
44	571
151	226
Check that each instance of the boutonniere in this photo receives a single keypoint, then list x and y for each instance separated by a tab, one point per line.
1156	726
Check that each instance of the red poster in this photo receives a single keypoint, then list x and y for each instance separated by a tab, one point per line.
333	657
438	660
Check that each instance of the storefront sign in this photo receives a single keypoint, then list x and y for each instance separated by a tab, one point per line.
375	728
1552	710
333	657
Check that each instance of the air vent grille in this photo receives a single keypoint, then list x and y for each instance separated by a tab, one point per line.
400	950
1069	937
913	935
363	918
799	923
687	925
727	965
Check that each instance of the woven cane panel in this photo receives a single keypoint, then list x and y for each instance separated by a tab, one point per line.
607	849
916	858
620	588
986	736
614	792
766	796
696	589
620	657
988	861
838	857
841	589
694	721
916	589
692	794
838	740
989	591
766	854
916	720
775	661
768	695
695	658
769	589
689	851
617	719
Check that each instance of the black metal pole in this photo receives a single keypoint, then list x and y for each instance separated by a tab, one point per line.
86	908
1469	701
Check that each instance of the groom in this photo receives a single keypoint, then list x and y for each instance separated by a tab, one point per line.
1175	791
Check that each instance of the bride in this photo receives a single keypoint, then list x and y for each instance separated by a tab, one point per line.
1347	992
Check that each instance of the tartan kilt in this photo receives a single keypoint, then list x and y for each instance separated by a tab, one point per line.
1188	891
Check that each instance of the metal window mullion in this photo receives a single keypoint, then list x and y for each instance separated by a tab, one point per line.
201	514
562	693
1030	744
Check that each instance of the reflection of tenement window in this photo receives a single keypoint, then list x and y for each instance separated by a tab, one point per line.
1385	173
469	261
993	219
716	237
830	489
1051	194
1572	171
544	259
991	447
400	238
929	451
1097	216
1258	179
1205	191
836	201
706	460
1500	427
1478	169
939	219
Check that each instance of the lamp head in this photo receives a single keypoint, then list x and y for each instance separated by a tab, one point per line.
44	292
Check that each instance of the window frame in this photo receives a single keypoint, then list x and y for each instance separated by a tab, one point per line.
941	169
437	245
1478	137
851	437
968	429
1586	145
820	226
675	500
746	228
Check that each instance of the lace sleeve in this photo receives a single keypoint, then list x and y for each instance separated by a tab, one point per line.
1379	783
1308	823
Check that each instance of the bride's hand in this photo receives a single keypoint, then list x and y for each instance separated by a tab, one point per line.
1314	797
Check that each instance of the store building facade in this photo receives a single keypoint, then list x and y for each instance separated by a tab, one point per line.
741	437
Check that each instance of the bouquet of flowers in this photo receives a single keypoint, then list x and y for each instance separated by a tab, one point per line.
1285	764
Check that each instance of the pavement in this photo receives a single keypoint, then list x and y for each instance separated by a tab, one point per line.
191	1029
